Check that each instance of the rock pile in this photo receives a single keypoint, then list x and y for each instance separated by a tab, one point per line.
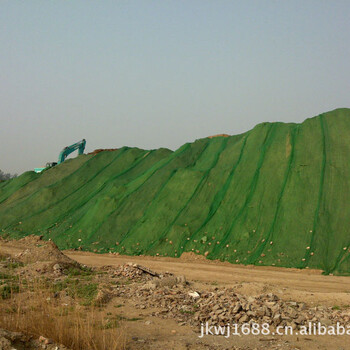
133	272
223	306
15	340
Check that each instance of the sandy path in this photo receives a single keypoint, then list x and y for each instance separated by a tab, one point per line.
224	273
303	285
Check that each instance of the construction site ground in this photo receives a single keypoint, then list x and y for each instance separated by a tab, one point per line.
147	326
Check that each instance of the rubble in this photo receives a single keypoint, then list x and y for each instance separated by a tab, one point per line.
103	297
174	297
166	296
16	340
133	272
223	306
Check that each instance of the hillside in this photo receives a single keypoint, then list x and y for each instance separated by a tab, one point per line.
275	195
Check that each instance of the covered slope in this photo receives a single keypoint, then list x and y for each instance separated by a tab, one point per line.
276	195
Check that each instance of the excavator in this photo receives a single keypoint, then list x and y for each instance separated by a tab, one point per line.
80	146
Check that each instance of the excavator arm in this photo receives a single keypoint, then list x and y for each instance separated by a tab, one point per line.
80	146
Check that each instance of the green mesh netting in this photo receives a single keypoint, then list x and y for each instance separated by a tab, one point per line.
276	195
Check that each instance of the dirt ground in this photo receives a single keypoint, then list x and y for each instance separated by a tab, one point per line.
149	331
309	286
304	285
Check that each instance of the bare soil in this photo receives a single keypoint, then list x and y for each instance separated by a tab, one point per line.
300	285
145	329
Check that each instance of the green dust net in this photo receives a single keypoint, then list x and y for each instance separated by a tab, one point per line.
275	195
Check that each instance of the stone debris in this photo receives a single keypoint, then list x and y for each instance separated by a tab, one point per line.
166	296
224	305
103	297
57	270
169	282
133	272
145	269
194	295
15	340
44	340
218	306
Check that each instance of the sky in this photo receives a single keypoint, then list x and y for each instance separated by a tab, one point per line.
161	73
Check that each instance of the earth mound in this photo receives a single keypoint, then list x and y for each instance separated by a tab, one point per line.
34	249
276	195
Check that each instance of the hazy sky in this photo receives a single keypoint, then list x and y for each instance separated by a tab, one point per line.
160	73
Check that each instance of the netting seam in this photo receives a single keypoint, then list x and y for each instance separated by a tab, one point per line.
202	180
220	193
252	186
260	248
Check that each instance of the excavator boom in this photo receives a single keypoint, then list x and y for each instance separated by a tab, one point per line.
80	146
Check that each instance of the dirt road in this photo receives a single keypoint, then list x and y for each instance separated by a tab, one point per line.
306	285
